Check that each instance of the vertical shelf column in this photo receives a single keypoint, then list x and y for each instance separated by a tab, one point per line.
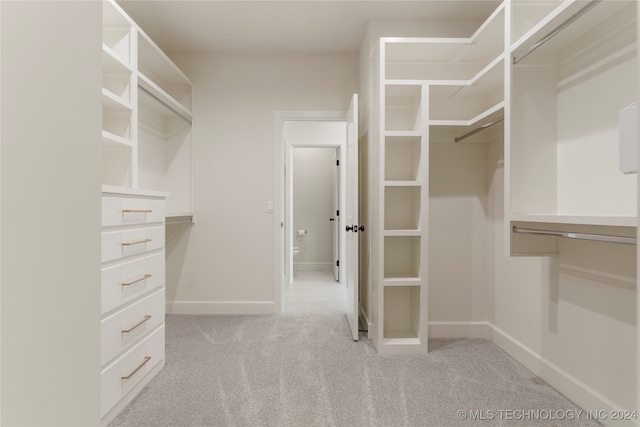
404	164
119	97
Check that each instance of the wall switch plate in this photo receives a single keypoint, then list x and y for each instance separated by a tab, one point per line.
270	207
629	138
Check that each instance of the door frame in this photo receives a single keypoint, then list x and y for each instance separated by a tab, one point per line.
281	160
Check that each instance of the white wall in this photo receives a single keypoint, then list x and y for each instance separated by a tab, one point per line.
457	235
313	198
225	262
50	241
571	318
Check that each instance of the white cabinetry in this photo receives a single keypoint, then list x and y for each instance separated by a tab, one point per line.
147	116
147	177
430	90
566	95
132	325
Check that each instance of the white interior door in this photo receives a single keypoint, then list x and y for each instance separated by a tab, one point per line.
335	216
350	223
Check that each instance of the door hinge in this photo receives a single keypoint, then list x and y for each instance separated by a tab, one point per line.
338	263
337	162
338	213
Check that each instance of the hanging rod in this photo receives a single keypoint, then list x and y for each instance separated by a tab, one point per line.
580	236
556	30
161	101
478	129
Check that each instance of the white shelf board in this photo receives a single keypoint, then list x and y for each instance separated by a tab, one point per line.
112	189
484	44
115	141
400	337
599	220
402	281
112	63
403	183
559	15
112	101
151	57
409	232
158	92
484	116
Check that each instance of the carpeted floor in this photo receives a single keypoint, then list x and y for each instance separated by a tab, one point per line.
304	370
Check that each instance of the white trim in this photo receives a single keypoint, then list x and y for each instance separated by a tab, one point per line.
471	329
221	307
580	393
279	117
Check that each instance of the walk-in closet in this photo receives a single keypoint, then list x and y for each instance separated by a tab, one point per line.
481	200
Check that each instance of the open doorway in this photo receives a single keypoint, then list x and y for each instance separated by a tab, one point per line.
315	206
295	129
312	220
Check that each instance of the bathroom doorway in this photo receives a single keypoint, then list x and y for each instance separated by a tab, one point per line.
314	198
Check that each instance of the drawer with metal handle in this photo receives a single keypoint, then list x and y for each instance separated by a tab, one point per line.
124	328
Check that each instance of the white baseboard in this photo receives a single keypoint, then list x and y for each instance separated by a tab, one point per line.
220	307
473	329
571	387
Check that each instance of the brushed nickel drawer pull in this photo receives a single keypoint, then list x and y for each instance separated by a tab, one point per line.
145	277
126	331
136	211
139	242
146	360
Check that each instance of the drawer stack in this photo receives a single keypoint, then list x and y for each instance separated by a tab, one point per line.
133	295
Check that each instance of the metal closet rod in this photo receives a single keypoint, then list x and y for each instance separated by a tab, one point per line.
478	129
186	119
556	30
580	236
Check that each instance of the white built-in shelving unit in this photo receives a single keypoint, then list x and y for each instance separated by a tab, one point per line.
430	90
566	94
147	170
147	115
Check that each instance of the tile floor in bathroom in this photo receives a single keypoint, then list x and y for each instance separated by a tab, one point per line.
314	291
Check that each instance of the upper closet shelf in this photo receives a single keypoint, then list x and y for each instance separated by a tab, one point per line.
596	220
564	25
445	58
167	79
488	115
169	104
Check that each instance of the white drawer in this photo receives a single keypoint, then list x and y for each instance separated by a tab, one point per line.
123	243
131	210
124	282
126	327
127	371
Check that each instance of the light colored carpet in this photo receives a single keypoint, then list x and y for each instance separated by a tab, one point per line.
304	370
